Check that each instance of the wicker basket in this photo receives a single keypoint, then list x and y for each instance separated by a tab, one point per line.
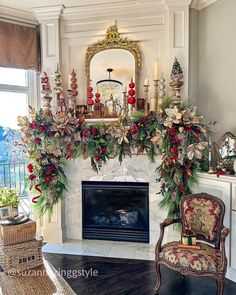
21	256
14	234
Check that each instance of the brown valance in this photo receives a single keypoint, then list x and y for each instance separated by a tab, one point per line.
19	46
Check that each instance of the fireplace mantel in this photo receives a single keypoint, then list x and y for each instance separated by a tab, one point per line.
66	220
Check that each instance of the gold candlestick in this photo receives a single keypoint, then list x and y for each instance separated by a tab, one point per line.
72	103
125	103
156	82
154	100
146	98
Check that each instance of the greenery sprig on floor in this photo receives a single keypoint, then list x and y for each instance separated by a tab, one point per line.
51	140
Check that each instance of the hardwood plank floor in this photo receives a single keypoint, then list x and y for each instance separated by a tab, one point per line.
128	277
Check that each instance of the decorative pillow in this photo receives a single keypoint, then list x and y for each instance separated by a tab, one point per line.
204	259
201	216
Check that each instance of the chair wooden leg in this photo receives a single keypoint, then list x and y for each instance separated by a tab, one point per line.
158	285
220	285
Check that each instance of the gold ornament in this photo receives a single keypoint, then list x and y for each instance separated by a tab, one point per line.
174	116
158	138
195	150
22	121
120	133
181	129
160	111
190	117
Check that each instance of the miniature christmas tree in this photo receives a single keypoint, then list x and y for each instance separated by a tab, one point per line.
176	84
177	72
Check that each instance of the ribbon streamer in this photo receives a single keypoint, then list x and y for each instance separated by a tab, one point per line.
37	197
70	153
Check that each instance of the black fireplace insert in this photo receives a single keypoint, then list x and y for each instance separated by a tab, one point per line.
117	211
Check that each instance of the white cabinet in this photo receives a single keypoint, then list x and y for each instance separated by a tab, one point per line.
233	228
224	188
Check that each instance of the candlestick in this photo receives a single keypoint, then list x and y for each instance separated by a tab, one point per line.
153	105
156	94
210	168
69	81
125	103
146	98
125	89
156	70
146	82
162	87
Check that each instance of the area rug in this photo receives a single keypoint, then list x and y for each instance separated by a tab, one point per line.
41	280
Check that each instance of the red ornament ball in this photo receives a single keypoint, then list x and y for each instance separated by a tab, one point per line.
73	85
90	89
131	84
90	95
90	102
131	92
131	100
74	92
97	94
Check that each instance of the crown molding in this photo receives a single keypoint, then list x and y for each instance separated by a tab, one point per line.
200	4
176	3
17	16
138	7
48	12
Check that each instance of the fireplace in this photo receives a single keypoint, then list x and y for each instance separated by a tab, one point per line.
117	211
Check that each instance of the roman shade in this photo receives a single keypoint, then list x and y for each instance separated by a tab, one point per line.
19	46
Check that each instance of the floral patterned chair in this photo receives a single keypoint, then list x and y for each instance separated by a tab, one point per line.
201	215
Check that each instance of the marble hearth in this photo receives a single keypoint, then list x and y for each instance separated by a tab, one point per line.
135	169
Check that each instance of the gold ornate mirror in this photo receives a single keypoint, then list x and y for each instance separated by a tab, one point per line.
111	63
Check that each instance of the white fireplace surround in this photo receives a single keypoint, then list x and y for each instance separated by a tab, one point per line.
135	169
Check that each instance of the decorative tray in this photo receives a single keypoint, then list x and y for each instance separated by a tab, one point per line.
21	218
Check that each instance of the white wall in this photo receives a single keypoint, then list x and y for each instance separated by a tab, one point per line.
193	55
162	33
217	65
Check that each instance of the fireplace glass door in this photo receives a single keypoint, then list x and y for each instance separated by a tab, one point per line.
115	211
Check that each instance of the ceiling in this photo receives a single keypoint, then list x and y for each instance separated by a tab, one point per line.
26	5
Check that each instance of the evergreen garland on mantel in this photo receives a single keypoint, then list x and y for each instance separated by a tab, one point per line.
51	140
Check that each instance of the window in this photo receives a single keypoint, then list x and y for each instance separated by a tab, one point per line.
16	92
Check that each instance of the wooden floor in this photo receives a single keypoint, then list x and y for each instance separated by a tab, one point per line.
129	277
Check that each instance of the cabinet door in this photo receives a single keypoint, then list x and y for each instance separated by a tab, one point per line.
222	190
233	241
233	228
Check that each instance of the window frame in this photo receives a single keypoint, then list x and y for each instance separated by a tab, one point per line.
31	89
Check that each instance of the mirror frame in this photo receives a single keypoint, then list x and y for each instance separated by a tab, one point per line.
114	41
223	138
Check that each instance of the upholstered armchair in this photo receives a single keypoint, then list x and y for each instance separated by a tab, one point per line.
201	215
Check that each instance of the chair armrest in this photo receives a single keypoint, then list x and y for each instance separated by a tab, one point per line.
164	224
223	234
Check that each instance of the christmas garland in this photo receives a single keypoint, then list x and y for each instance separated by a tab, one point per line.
51	140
